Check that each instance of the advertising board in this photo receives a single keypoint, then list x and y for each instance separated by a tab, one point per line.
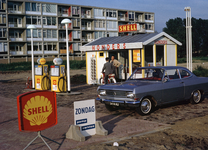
37	110
84	116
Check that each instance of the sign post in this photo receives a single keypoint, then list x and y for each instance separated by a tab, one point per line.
37	111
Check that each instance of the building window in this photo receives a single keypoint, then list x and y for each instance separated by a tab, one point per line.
37	46
36	33
112	34
75	10
49	8
50	46
99	24
32	7
99	34
49	21
76	46
112	25
3	47
99	12
76	22
35	20
111	13
76	34
3	33
149	27
50	33
131	15
2	19
149	17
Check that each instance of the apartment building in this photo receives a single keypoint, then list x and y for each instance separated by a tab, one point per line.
49	37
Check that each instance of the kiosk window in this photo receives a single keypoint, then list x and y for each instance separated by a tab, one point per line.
101	54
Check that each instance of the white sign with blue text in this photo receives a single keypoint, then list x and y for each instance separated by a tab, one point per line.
84	116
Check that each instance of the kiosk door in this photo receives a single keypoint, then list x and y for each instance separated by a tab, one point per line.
122	57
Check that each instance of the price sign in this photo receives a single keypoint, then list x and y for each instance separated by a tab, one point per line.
38	70
54	70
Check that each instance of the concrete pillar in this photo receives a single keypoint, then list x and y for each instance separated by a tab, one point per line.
154	55
176	55
86	68
143	61
130	62
165	55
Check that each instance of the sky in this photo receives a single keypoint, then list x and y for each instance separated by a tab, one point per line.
163	9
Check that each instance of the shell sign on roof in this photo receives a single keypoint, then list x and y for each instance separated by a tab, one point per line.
37	110
128	28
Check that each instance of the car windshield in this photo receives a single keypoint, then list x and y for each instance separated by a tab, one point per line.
147	74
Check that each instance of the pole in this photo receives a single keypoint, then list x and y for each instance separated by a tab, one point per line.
32	60
67	61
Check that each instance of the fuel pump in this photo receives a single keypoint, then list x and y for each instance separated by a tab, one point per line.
42	80
58	76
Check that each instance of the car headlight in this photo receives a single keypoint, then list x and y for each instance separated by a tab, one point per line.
129	95
102	92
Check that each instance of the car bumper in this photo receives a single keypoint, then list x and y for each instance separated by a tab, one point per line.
121	103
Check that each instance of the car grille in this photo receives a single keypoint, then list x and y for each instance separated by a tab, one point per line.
115	93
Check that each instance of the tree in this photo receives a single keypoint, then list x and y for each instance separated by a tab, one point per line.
177	29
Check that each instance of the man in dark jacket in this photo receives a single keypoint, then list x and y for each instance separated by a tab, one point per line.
108	67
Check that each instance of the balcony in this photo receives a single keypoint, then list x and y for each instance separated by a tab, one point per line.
64	39
63	14
62	26
122	18
63	51
86	16
35	52
16	52
15	39
14	24
86	28
14	11
87	40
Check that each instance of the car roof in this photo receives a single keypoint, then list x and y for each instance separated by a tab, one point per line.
163	67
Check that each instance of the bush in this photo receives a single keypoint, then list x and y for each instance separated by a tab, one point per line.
201	71
23	66
181	60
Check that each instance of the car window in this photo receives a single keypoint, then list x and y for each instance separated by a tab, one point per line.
184	73
147	74
172	74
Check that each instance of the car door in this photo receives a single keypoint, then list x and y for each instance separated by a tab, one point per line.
173	88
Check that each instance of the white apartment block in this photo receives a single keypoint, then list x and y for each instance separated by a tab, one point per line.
49	39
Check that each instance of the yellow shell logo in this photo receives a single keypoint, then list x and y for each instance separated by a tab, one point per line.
42	61
37	110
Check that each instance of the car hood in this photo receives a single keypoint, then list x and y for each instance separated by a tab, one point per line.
126	86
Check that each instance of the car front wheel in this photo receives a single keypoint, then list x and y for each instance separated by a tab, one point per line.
196	97
145	107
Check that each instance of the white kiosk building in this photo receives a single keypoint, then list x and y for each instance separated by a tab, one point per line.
140	50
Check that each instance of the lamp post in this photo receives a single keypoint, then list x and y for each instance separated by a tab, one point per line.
66	22
188	38
31	27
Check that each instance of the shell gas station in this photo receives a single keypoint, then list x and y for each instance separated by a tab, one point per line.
132	51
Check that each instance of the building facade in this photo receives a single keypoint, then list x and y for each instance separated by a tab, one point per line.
49	39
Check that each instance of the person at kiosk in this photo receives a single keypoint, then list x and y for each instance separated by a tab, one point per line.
108	67
116	64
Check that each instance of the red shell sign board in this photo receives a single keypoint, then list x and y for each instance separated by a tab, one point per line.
37	110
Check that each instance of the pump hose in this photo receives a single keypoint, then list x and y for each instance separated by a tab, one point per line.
47	81
61	89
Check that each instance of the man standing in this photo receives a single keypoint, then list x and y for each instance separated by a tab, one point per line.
116	64
108	67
